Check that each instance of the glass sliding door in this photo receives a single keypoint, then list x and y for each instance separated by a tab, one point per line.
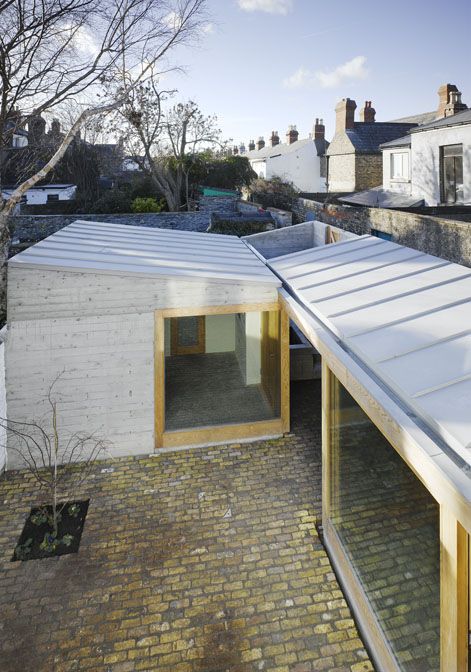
387	526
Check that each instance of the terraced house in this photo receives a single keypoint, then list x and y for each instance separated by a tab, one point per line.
178	339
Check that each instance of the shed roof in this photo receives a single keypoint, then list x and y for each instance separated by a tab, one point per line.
404	314
97	247
377	197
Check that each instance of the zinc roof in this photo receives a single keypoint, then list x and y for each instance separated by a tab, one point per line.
405	314
97	247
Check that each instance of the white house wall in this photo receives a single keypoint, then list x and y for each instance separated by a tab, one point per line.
426	161
301	166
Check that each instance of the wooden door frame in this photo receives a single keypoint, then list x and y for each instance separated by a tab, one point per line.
226	432
197	349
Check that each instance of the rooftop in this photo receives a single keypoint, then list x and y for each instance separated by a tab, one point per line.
284	148
96	247
367	137
382	198
457	119
405	315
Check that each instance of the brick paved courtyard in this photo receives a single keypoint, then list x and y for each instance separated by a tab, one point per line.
194	561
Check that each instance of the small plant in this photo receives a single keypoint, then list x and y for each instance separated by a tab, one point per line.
147	205
60	467
22	551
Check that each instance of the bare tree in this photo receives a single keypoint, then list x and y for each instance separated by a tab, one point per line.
54	51
50	459
164	140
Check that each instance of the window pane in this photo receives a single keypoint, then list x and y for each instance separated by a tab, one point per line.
388	525
452	150
459	178
226	370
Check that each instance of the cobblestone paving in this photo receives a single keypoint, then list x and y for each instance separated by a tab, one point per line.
194	561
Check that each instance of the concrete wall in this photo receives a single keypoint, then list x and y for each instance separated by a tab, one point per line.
441	237
272	244
248	334
3	402
100	330
108	380
341	176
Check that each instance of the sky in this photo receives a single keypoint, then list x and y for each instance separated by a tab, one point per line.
262	65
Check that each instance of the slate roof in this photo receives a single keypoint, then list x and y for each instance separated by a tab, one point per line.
405	141
423	118
367	137
457	119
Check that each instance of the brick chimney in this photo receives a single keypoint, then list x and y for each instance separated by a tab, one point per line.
367	113
260	143
242	148
444	97
292	135
319	130
275	139
235	150
345	114
251	145
454	104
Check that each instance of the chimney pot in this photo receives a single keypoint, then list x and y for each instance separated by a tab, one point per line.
367	113
345	114
454	104
319	130
260	143
251	145
292	135
275	139
444	97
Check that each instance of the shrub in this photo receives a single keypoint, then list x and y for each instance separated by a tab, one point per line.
274	193
147	205
113	202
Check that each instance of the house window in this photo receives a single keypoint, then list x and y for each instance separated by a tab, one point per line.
451	173
400	166
51	198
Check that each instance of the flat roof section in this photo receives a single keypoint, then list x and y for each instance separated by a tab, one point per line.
405	314
97	247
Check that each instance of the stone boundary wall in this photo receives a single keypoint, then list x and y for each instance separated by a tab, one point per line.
32	228
445	238
282	218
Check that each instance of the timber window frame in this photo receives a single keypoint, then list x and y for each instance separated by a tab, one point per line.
454	551
164	439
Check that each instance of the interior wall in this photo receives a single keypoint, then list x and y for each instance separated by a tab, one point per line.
220	333
248	346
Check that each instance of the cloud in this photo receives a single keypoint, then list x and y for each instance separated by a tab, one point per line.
268	6
328	79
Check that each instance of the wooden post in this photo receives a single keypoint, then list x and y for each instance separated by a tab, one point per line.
454	593
285	372
159	378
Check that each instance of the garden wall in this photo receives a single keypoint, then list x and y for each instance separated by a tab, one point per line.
444	238
33	228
